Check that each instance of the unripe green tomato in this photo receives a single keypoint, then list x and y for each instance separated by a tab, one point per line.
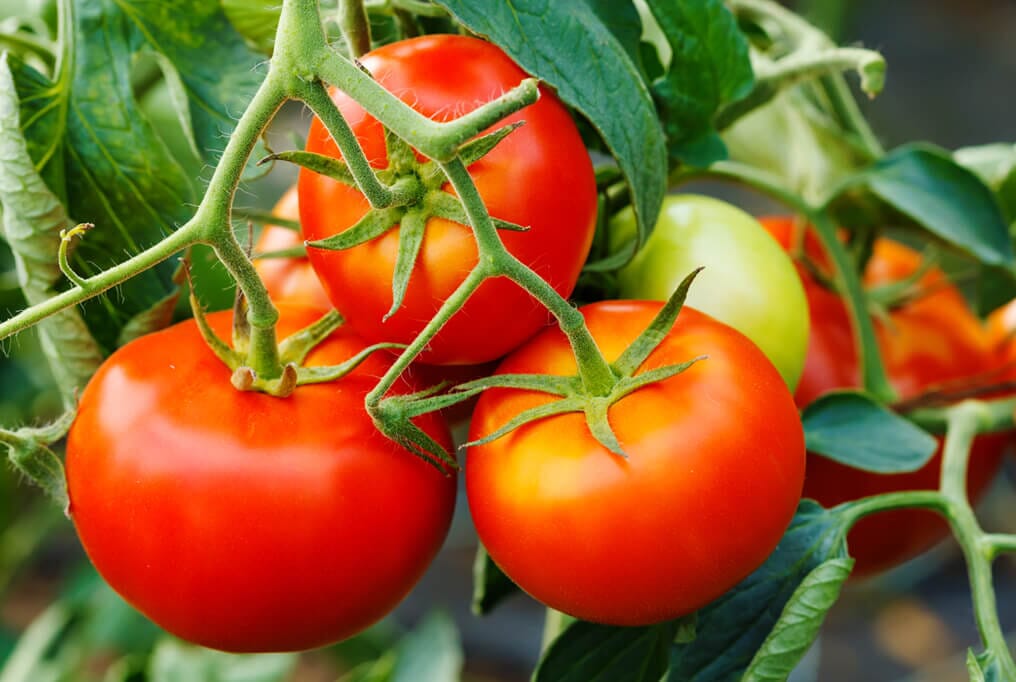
749	282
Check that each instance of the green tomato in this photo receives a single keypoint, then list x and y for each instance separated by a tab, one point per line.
749	282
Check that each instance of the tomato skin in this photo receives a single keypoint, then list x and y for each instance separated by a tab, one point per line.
929	341
288	280
712	479
540	176
244	522
749	282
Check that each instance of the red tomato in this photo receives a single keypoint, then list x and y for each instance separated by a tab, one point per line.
927	342
712	479
245	522
540	176
289	280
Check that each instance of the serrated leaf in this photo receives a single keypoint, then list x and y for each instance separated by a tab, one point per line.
175	661
925	185
566	45
799	623
31	220
853	429
733	628
432	651
709	68
99	154
588	652
490	585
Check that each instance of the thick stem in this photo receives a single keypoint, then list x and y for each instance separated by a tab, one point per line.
995	415
872	369
439	141
355	26
594	370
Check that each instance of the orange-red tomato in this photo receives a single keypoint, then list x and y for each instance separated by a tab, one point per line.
712	479
540	176
245	522
926	343
289	280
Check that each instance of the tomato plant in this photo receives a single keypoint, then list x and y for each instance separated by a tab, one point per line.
539	177
931	340
242	521
699	502
748	281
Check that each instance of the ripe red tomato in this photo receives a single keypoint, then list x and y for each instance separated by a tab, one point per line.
245	522
540	176
289	280
927	342
713	474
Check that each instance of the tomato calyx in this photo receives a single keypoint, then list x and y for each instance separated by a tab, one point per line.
292	351
573	394
416	194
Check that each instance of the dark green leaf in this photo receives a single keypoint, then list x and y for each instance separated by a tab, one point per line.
587	652
98	152
853	429
622	19
431	652
490	585
994	287
566	45
709	68
733	628
31	220
995	164
924	184
799	623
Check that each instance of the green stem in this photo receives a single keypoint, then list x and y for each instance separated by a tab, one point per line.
187	235
995	415
964	422
597	377
355	26
803	66
438	141
993	544
923	499
873	373
26	42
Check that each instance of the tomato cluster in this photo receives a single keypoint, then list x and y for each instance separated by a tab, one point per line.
247	522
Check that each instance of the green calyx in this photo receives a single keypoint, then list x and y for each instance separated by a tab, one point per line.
573	396
30	454
409	193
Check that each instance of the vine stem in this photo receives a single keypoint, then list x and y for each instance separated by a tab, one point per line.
873	372
355	27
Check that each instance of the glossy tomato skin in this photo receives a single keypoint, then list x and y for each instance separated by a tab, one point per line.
712	479
540	176
749	282
244	522
288	280
931	341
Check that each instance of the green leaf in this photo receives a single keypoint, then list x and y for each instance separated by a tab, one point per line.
995	164
100	155
799	623
566	45
588	652
853	429
925	185
709	68
431	652
31	220
734	627
983	667
622	18
29	453
490	585
255	20
175	661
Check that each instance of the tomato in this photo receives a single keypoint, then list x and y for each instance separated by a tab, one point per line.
289	280
245	522
540	176
1002	331
712	478
926	342
749	282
